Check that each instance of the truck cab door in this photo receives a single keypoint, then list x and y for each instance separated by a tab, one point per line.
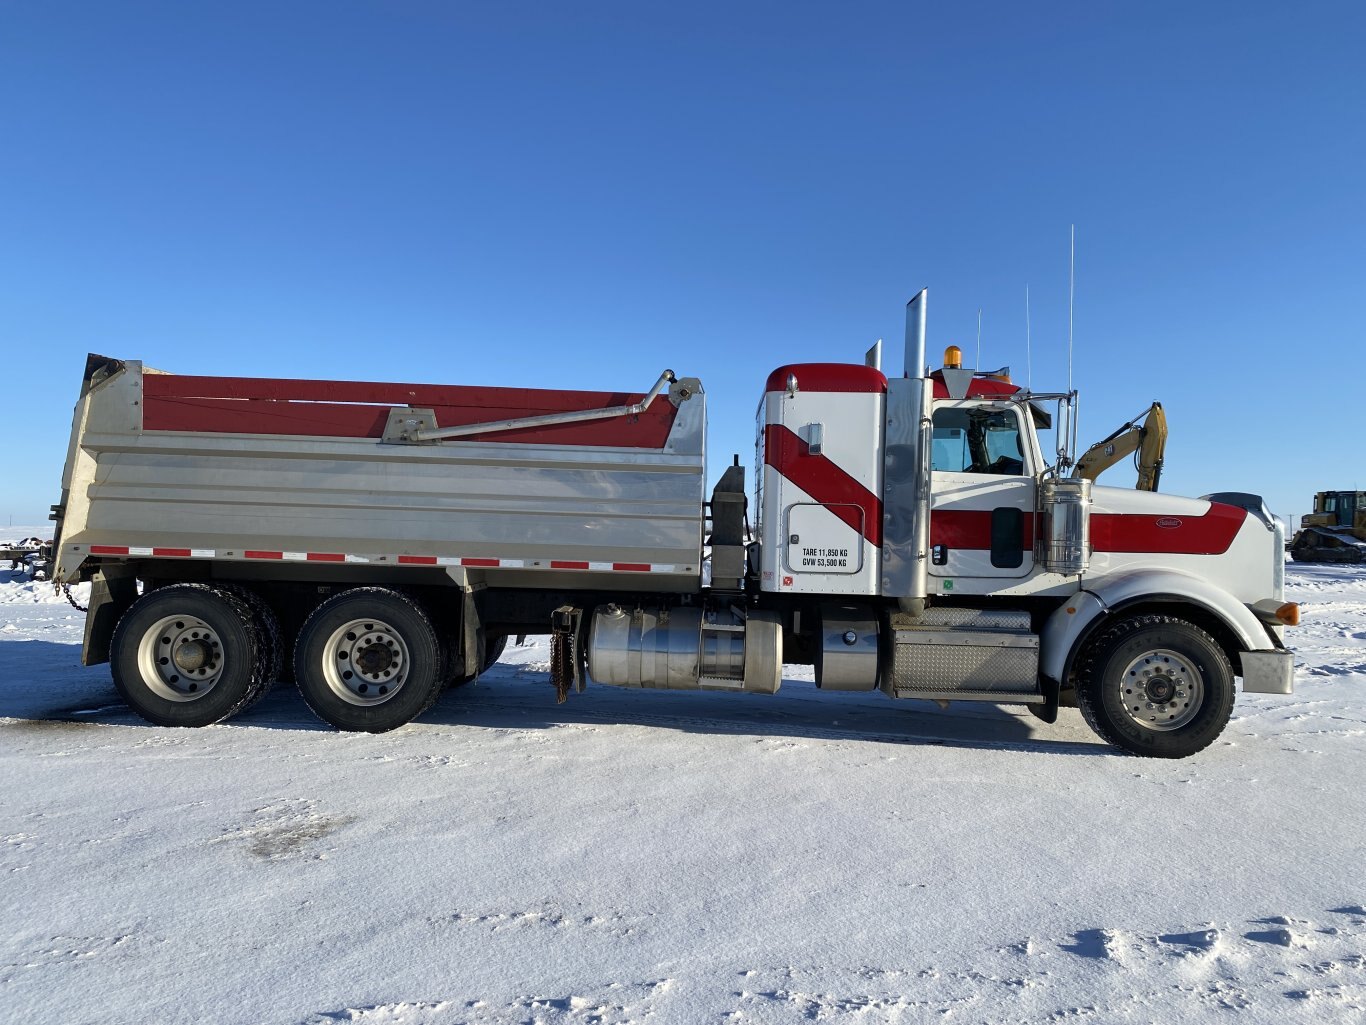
982	496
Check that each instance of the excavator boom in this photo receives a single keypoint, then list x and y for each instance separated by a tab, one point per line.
1146	434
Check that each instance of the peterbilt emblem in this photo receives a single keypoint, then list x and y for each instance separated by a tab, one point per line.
1169	522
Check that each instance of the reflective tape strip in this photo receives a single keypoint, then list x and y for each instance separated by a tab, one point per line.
469	561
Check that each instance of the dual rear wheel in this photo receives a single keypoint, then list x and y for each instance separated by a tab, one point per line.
367	659
193	654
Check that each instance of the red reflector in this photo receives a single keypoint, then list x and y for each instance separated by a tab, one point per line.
172	553
108	550
567	565
479	562
632	567
263	555
417	560
326	557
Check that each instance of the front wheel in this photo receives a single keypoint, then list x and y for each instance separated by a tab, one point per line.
368	660
1155	686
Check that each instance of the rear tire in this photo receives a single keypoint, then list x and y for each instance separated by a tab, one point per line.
368	660
269	646
1155	686
186	655
493	651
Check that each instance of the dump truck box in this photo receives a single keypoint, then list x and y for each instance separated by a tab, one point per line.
252	469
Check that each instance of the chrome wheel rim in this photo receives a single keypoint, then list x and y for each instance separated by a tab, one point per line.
181	658
365	662
1162	690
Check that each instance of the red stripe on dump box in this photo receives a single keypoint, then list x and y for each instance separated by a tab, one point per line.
263	555
359	409
632	567
417	560
567	565
326	557
479	562
172	553
108	549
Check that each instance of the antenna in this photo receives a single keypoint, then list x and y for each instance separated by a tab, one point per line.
1029	353
979	338
1071	298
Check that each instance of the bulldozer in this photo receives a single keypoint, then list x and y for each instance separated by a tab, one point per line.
1335	531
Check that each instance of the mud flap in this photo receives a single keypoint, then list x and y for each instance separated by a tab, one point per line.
112	590
1048	711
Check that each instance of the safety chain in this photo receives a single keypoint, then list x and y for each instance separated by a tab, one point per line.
565	658
66	590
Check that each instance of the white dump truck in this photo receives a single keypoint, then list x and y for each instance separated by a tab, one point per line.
380	541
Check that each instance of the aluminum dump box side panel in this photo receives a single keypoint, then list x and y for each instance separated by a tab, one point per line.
533	509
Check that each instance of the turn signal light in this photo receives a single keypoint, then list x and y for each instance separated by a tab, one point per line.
953	358
1289	614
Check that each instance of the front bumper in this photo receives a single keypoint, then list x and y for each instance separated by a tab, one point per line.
1268	672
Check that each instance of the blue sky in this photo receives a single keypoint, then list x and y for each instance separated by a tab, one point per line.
581	195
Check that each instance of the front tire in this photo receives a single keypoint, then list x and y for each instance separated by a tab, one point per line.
1155	686
368	660
186	655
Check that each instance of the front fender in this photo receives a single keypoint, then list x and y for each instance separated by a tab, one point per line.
1073	619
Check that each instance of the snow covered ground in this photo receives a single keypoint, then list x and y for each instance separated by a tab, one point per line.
654	857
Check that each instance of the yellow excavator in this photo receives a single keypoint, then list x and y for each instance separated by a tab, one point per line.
1144	437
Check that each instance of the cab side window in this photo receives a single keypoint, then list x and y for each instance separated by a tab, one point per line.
977	441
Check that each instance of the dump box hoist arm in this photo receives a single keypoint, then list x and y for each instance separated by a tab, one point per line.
1145	434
